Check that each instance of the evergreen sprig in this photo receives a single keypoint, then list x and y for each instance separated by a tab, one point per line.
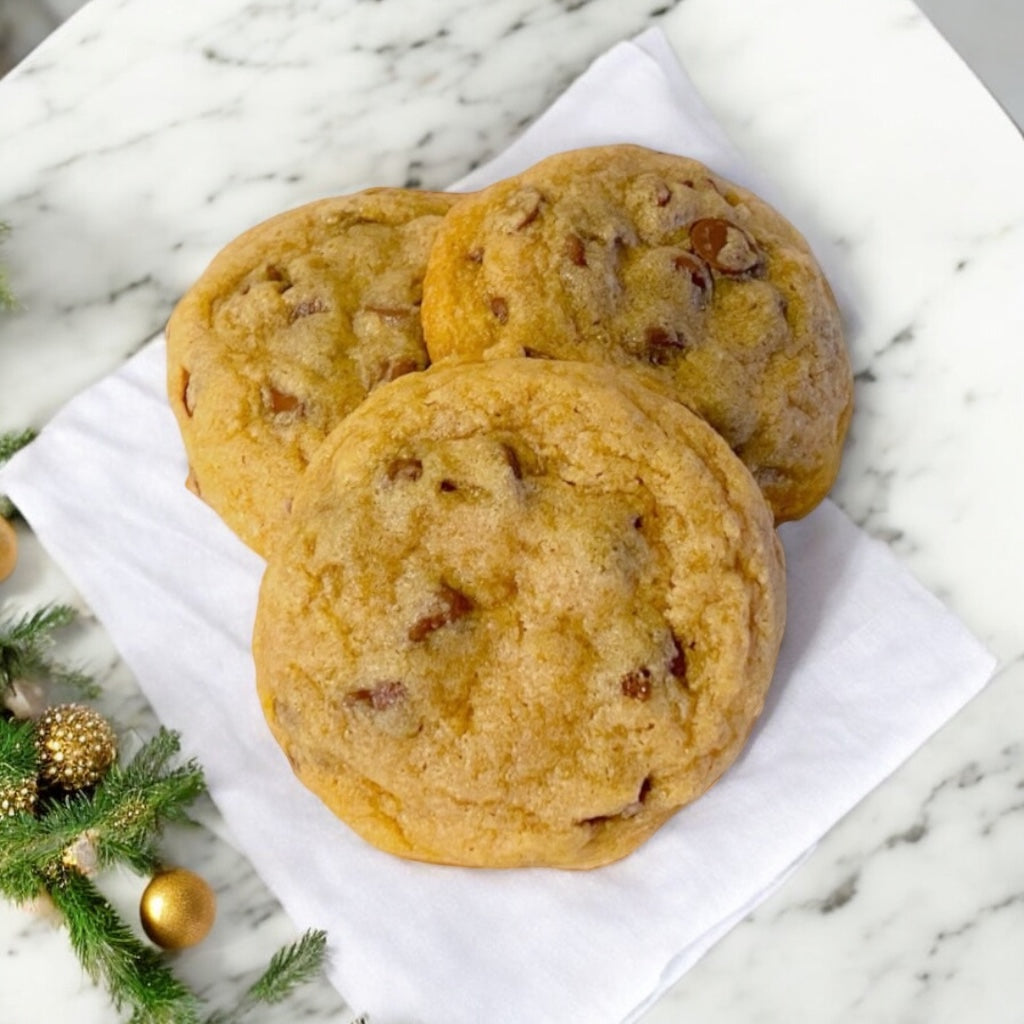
135	975
18	758
11	441
25	644
121	819
6	298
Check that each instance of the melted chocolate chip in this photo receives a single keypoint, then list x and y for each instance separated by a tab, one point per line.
575	250
404	469
631	810
726	246
677	666
279	276
397	367
499	307
451	605
661	344
637	684
281	401
700	277
381	696
513	461
308	307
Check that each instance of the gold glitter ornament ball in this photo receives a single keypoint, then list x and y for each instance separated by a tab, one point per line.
76	746
177	909
17	798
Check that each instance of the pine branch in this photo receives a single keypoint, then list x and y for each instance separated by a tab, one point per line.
18	758
6	298
289	968
24	646
13	440
124	816
134	974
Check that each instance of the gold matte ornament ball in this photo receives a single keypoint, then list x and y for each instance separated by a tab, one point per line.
76	746
8	549
177	909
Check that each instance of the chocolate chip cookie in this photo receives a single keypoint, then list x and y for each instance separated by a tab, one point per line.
521	612
288	329
651	261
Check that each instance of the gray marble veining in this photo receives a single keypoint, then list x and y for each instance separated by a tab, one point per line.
141	137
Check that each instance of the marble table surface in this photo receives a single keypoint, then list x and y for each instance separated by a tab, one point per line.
141	137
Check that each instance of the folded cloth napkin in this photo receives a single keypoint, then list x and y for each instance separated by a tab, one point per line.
871	665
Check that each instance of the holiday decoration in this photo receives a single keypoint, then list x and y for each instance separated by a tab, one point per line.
177	909
53	842
8	549
76	746
18	797
24	652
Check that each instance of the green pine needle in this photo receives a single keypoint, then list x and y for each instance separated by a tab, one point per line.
24	646
18	758
13	440
6	298
124	815
290	967
134	973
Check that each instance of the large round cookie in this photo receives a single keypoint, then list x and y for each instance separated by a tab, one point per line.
521	613
625	255
289	328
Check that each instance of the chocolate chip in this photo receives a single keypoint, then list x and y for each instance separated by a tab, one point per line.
575	250
404	469
397	367
280	401
381	696
447	486
662	344
451	605
677	666
512	458
637	684
499	307
631	810
700	277
476	255
306	308
279	276
662	194
724	245
393	314
524	207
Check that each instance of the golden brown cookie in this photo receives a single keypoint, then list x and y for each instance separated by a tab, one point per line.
522	611
289	328
646	260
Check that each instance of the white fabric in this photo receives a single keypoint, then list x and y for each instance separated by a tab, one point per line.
871	666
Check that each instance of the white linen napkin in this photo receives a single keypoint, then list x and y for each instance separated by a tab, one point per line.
871	665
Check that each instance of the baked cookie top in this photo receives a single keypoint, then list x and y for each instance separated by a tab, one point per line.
521	612
647	260
292	324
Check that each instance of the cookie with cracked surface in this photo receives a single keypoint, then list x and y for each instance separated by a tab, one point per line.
643	259
292	324
521	613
